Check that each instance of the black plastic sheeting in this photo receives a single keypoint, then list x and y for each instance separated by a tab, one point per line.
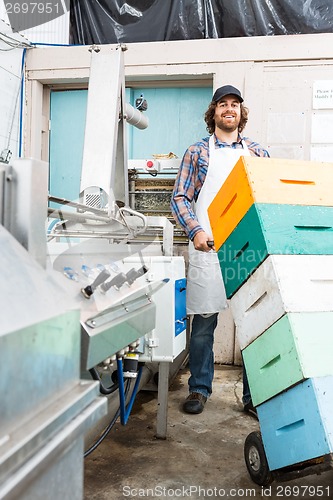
119	21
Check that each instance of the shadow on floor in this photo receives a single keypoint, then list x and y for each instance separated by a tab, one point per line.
202	457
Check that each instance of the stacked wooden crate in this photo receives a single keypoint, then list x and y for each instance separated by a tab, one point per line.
272	224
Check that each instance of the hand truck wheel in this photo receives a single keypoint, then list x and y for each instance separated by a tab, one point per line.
256	461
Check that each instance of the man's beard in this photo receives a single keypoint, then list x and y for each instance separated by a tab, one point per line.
227	127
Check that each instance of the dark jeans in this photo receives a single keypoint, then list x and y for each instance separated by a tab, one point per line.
201	360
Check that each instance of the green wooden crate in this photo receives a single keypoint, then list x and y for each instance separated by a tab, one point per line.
296	347
269	229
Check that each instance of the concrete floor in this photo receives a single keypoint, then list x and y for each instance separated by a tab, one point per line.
201	458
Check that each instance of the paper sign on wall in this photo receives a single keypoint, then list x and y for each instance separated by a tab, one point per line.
323	94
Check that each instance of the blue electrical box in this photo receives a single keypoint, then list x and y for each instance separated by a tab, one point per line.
180	306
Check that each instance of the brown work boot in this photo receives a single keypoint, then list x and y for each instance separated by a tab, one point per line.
194	403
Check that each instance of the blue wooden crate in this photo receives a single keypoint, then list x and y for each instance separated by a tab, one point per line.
297	425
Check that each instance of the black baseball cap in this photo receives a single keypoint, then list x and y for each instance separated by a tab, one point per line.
227	90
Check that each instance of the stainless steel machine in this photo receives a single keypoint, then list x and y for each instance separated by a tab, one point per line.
111	255
46	408
85	285
117	260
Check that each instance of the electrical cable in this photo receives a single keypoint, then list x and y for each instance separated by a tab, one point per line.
103	435
19	97
12	42
21	104
15	107
7	50
104	390
51	226
108	428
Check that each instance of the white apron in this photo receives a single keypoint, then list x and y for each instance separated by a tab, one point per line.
205	292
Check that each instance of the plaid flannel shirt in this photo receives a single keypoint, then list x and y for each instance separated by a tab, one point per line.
192	174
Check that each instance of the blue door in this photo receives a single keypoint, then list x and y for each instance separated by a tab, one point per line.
176	120
68	118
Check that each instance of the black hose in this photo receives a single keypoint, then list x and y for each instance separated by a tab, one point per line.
103	390
109	427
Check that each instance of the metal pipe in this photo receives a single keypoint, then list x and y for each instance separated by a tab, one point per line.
89	234
81	206
135	117
147	191
132	194
148	211
65	214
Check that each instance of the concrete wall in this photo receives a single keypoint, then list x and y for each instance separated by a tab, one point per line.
284	80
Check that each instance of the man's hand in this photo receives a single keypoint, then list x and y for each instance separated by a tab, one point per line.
200	242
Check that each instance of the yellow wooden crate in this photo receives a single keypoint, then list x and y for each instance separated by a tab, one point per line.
268	180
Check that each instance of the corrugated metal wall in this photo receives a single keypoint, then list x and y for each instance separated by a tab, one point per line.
3	13
10	83
53	32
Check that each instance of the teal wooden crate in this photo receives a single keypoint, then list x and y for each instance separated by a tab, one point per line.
270	229
296	347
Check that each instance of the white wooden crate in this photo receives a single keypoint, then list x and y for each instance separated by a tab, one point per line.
282	283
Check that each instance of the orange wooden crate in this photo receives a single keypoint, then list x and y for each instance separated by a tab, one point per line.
268	180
